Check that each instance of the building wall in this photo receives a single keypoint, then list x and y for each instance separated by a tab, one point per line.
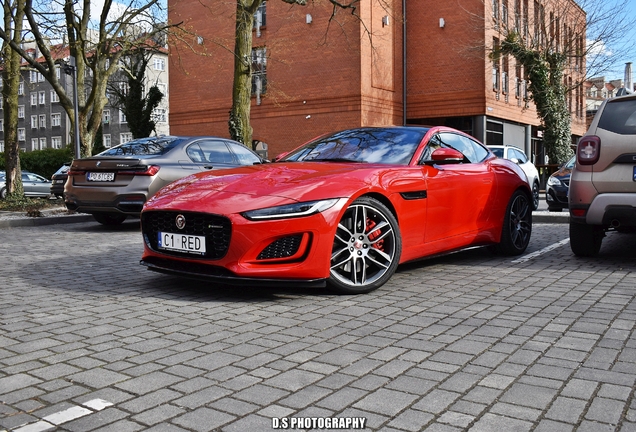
321	76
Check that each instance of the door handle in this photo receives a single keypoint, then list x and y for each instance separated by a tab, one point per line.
208	166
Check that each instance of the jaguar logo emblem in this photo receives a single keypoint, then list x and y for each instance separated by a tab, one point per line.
180	221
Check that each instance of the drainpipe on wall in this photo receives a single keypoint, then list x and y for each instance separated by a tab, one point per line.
404	62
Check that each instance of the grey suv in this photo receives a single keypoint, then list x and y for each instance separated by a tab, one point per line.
603	183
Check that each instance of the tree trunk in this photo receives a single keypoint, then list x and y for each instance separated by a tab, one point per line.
239	124
11	82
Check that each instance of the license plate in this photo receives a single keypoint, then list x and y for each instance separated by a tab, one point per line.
189	244
101	176
634	177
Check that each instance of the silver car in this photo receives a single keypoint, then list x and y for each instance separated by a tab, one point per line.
116	183
34	185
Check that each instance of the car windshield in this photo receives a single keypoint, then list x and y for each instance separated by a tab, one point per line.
143	147
372	145
619	116
570	163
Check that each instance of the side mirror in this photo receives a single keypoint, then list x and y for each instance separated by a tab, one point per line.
445	155
515	161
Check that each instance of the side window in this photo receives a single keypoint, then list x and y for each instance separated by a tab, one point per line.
195	154
460	144
521	156
216	152
244	156
433	144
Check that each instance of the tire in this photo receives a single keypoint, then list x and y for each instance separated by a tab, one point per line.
517	226
585	240
3	193
109	218
366	249
535	195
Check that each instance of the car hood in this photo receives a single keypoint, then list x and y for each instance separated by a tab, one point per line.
259	186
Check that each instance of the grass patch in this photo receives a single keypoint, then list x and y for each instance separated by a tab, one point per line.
32	206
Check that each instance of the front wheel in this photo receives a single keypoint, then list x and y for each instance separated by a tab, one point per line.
366	249
585	240
517	226
109	218
535	195
3	193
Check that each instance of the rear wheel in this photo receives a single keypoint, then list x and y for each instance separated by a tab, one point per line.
109	218
585	240
517	227
3	193
366	248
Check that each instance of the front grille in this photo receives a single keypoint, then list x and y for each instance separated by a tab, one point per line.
281	248
216	229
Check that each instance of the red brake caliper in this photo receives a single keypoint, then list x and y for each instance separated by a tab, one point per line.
375	234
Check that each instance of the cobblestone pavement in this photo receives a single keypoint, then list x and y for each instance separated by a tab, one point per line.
90	340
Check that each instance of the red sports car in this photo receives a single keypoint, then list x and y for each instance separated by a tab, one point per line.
344	210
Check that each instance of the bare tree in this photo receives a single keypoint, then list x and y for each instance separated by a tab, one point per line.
13	18
96	44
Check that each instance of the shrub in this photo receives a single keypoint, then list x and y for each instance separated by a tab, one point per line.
44	162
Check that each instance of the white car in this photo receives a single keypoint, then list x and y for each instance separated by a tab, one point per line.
516	155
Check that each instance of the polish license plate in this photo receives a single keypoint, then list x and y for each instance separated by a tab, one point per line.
190	244
634	176
101	176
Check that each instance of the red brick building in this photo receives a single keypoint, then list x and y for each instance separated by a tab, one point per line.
318	75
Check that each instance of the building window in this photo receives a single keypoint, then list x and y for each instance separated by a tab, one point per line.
494	133
42	143
495	12
21	89
56	142
159	63
57	72
42	97
56	119
21	111
122	117
34	122
504	13
125	137
260	18
159	115
42	120
33	76
34	144
106	116
21	134
34	99
259	71
1	125
54	96
1	146
106	140
124	87
495	65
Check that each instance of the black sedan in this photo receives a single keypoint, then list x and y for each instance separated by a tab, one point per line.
557	187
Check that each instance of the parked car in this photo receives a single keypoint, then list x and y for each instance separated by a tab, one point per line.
58	179
517	155
34	185
344	209
557	186
603	182
117	182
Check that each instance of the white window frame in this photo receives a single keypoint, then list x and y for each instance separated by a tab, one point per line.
106	116
34	122
54	96
21	89
21	134
33	76
106	140
56	119
56	142
159	63
159	115
125	137
34	144
42	97
42	120
42	143
1	146
34	99
20	111
122	117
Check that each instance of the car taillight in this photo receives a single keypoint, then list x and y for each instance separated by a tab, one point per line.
588	150
578	212
150	171
76	173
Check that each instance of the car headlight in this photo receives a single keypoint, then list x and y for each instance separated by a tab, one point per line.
553	181
290	210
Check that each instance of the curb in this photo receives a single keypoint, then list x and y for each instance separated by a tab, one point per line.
46	220
550	217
